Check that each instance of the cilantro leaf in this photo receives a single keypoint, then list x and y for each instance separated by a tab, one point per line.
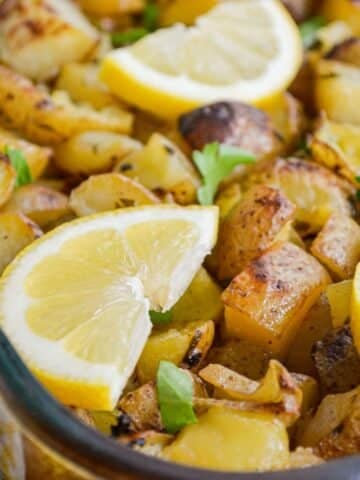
215	162
160	318
175	394
151	17
309	29
119	39
18	161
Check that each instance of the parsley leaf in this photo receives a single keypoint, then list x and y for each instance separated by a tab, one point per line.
215	162
18	161
309	29
175	394
160	318
150	18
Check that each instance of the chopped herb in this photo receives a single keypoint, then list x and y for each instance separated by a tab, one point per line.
151	17
215	162
303	147
309	30
175	394
357	179
18	161
160	318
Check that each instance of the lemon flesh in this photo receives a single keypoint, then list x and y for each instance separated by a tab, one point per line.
75	303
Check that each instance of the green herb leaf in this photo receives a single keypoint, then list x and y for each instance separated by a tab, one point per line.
161	318
215	162
151	17
357	179
18	161
358	195
175	394
309	30
119	39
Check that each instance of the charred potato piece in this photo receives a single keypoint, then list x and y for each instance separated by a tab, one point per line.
337	146
337	88
233	123
314	327
161	165
337	361
346	10
81	81
250	228
109	191
111	7
7	179
250	441
33	29
300	9
339	298
40	204
347	51
149	442
16	232
316	191
268	301
337	246
93	152
47	119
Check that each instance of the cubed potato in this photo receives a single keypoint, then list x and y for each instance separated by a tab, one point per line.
111	7
250	228
316	191
268	301
189	343
337	146
161	165
314	327
51	119
16	232
337	246
37	157
339	298
42	205
337	90
7	179
228	198
149	442
337	361
242	356
109	191
331	35
303	458
30	30
347	10
183	11
249	441
82	83
93	152
347	51
303	85
310	391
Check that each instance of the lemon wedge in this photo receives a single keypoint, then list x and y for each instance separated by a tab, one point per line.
246	50
76	303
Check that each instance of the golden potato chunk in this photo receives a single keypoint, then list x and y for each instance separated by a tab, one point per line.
109	191
316	191
7	179
149	442
337	246
111	7
40	204
160	165
250	228
30	30
310	391
347	51
249	441
300	9
268	301
228	198
16	231
339	298
346	10
47	119
303	458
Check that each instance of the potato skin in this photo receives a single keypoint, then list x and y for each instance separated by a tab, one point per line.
299	9
267	302
250	228
7	179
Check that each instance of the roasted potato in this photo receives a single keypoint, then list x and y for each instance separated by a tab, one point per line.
42	205
149	442
47	119
337	88
300	9
93	152
227	198
109	191
347	51
337	246
111	7
16	231
303	457
7	179
310	391
316	191
337	361
250	228
81	81
268	301
314	327
30	30
249	441
161	165
346	10
339	298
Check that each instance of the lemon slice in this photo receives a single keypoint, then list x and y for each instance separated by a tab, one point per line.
245	50
75	303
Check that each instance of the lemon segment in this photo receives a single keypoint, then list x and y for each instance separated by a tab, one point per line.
75	303
245	50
